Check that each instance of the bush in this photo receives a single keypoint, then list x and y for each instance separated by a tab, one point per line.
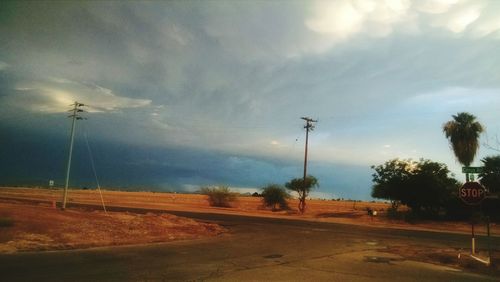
426	187
275	196
302	187
491	208
219	196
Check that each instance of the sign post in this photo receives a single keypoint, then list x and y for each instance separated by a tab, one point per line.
473	193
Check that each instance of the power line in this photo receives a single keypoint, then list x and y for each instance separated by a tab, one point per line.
93	169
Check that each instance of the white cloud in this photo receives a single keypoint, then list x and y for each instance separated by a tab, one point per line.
338	21
460	20
474	18
56	94
487	27
435	6
339	18
346	18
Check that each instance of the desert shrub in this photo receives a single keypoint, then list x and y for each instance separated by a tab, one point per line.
219	196
6	222
275	197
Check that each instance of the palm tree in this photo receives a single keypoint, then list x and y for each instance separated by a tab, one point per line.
463	133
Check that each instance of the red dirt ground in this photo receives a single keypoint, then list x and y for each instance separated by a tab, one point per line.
39	226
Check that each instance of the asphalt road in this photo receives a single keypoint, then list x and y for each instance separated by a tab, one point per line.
255	249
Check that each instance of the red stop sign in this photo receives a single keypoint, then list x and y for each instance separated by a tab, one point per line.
472	193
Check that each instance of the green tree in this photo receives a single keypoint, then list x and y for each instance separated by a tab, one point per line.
275	196
463	134
219	196
302	188
389	178
490	177
424	186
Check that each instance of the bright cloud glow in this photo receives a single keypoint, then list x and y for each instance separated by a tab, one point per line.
339	18
459	21
55	96
435	6
338	21
488	27
342	19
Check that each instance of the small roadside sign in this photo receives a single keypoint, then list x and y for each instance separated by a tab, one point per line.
472	169
472	193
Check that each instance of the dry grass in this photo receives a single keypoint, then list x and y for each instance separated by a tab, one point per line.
318	210
40	227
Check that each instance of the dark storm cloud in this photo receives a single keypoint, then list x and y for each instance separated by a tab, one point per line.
232	79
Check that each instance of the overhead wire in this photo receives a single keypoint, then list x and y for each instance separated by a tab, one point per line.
93	166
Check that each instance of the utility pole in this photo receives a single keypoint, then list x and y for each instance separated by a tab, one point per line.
76	109
309	127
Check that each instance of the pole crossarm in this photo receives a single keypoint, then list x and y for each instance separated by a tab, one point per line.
309	123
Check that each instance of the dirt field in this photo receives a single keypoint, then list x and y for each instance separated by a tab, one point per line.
37	225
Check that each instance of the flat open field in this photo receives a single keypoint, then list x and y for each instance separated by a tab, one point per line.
29	220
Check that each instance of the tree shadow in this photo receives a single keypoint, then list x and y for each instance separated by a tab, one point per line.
347	214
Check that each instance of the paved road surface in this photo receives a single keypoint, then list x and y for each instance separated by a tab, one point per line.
256	249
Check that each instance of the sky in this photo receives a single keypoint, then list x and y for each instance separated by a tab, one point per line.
180	94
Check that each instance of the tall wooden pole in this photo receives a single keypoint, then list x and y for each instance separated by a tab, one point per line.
74	117
305	154
309	126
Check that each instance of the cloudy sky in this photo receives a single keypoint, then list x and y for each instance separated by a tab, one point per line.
188	93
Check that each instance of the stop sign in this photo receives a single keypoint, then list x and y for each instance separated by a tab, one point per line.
472	193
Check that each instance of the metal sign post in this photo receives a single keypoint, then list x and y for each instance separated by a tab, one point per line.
473	193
